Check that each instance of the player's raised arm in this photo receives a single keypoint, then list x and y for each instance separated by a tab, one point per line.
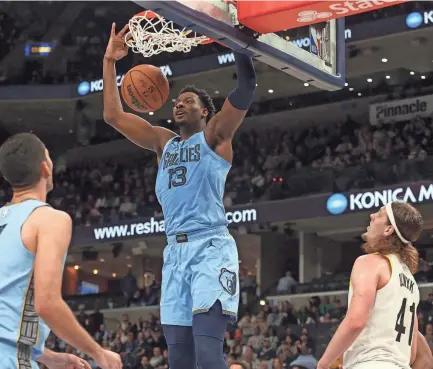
53	230
136	129
223	125
364	278
424	358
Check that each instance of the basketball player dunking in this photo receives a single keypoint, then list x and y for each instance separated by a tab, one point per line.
380	330
200	282
34	239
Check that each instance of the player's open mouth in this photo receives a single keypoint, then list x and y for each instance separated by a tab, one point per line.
180	114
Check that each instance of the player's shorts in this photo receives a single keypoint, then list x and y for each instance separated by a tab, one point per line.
199	269
11	359
378	365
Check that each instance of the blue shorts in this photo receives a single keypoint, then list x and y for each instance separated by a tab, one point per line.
199	269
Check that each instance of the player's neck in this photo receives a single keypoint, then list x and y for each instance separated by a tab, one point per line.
187	131
29	194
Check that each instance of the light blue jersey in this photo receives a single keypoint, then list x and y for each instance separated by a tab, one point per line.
201	263
22	332
190	185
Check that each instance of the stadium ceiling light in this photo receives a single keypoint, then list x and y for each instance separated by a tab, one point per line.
101	260
76	267
168	120
346	84
359	94
422	77
369	80
412	72
129	265
306	84
388	77
60	118
351	89
384	60
151	113
95	271
174	100
114	275
217	92
271	91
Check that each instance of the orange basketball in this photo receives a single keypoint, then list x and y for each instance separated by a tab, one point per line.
145	88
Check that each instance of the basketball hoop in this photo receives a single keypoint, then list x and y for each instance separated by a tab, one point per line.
151	34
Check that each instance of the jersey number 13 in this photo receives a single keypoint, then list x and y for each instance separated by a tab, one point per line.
176	177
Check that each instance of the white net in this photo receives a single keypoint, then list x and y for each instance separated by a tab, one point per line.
151	34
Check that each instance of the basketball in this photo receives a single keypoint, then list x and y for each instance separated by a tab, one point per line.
145	88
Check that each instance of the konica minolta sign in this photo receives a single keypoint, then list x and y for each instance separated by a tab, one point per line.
339	203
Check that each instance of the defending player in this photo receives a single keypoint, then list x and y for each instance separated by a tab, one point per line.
34	239
200	282
380	329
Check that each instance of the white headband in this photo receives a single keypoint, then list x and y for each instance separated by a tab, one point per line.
391	218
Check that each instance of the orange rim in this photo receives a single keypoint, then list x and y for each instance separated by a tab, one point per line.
148	14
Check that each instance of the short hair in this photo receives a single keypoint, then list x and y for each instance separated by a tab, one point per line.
21	156
204	97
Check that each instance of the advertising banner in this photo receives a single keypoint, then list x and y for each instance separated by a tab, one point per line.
293	209
401	110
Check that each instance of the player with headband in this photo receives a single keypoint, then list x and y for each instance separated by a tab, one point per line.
380	330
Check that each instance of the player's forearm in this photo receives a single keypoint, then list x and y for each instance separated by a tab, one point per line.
242	96
63	323
343	338
45	358
112	103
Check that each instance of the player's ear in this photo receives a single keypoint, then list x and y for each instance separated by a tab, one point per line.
45	169
389	230
204	112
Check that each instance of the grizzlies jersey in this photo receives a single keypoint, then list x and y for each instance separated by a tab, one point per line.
388	335
190	185
22	332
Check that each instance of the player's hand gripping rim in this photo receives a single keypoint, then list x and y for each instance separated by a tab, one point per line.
117	47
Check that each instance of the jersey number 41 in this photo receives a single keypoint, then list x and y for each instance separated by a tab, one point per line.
399	324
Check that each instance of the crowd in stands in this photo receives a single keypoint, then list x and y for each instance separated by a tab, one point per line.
276	337
267	165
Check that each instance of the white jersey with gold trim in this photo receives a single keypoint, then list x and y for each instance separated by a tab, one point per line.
389	332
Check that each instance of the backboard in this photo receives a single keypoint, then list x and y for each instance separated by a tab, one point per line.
323	67
249	27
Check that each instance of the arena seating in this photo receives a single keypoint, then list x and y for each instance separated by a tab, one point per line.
347	155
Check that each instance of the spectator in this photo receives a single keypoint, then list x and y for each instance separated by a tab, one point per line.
305	358
129	286
286	283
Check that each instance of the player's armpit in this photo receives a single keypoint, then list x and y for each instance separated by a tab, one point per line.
364	279
140	131
54	229
424	358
